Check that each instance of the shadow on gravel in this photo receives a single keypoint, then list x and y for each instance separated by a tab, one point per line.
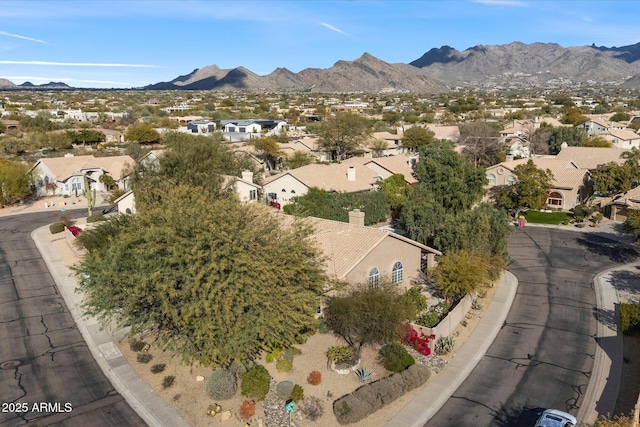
617	252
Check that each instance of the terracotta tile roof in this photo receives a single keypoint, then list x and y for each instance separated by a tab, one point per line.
622	134
396	164
591	157
344	245
64	167
566	173
333	177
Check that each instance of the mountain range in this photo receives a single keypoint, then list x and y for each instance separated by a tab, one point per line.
438	70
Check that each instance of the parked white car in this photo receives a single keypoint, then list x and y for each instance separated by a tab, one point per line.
555	418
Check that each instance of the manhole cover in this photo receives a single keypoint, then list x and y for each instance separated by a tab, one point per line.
10	364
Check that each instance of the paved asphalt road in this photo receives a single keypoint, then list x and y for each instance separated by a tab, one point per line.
543	355
43	358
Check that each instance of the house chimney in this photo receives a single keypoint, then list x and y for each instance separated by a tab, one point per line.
351	173
356	217
247	176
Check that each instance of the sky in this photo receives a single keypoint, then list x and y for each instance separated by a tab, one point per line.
131	43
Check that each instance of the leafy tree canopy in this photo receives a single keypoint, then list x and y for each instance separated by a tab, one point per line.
15	181
416	137
571	135
142	133
530	190
364	315
336	206
217	280
460	273
596	141
196	161
342	134
298	159
612	178
85	136
269	149
621	117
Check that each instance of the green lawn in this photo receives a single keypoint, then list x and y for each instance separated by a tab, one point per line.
546	218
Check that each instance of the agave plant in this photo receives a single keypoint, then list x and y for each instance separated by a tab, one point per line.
363	374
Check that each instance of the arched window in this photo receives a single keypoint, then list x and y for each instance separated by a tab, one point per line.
491	178
374	278
555	199
397	273
511	180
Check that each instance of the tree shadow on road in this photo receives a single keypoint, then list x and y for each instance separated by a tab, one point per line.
614	251
517	417
627	282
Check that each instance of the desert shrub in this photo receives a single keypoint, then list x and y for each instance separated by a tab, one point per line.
482	293
444	345
96	217
615	421
66	219
297	394
630	318
414	298
375	395
144	357
136	345
222	385
394	357
247	409
340	354
363	374
314	378
255	383
477	305
312	408
168	381
434	315
158	367
284	365
274	355
56	227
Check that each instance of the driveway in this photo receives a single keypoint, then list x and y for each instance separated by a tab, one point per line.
544	354
45	366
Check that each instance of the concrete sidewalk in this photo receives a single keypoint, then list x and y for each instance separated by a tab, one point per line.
137	393
446	382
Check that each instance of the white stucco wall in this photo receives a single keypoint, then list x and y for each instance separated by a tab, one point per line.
291	186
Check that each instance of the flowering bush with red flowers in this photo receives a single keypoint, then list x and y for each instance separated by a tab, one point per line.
419	341
247	409
75	230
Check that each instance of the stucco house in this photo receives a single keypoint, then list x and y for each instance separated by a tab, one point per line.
591	157
358	254
570	183
250	126
201	126
68	173
618	208
597	126
126	203
245	188
385	167
350	176
624	138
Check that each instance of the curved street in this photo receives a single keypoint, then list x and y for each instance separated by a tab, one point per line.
544	354
47	372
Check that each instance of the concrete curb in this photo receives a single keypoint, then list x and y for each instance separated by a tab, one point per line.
607	365
446	382
136	392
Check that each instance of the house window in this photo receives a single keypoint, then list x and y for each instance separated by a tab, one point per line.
252	195
242	130
293	191
511	180
397	273
232	129
374	278
491	178
555	199
284	190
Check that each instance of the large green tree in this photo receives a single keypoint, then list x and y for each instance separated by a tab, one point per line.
197	161
142	133
417	137
15	181
530	191
573	136
613	178
216	280
459	273
342	134
269	149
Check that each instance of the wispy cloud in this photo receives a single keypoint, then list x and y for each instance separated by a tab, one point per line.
18	36
514	3
78	64
332	28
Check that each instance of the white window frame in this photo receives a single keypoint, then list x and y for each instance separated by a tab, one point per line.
397	273
374	278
